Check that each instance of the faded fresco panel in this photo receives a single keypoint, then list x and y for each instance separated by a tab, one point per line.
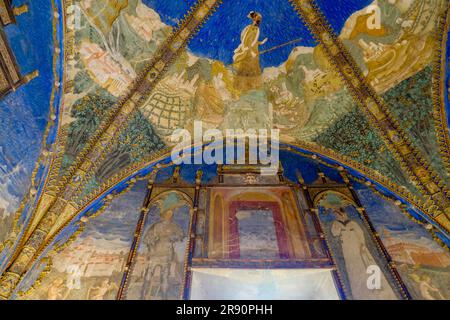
263	224
354	251
422	263
158	271
91	268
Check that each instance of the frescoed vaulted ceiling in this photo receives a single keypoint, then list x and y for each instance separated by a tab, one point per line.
362	83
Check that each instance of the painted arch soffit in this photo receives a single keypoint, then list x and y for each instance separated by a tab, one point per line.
300	122
114	187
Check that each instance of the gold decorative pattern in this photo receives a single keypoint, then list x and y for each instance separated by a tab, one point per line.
10	75
6	13
20	10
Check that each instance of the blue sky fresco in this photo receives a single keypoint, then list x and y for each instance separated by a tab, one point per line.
24	113
220	36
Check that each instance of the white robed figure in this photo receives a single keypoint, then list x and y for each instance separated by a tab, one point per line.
358	259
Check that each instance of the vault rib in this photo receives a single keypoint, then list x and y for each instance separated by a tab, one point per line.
63	207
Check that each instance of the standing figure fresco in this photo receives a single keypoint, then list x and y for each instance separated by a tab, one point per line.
356	253
160	240
158	269
246	56
357	256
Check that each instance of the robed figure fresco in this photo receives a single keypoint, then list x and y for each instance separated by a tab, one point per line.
246	56
160	240
358	258
158	269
